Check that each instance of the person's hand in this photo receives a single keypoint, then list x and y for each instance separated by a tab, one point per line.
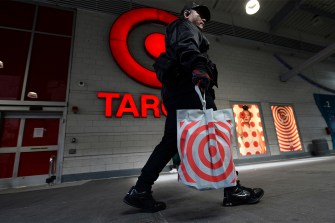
201	78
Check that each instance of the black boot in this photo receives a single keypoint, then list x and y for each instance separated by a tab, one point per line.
242	195
143	200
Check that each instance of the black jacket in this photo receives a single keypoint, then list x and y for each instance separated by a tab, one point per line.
188	46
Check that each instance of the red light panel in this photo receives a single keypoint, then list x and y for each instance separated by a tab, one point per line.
118	42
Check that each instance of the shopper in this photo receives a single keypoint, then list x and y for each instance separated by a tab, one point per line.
187	46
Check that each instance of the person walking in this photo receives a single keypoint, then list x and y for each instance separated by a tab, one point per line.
187	46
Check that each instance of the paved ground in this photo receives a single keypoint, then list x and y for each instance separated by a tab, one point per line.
300	190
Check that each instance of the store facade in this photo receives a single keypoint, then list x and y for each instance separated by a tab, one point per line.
79	98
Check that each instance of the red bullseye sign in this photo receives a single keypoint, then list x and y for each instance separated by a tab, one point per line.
154	44
206	147
118	42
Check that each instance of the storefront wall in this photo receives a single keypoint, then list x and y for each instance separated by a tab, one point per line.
91	145
98	146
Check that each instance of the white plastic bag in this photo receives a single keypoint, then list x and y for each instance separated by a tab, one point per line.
204	146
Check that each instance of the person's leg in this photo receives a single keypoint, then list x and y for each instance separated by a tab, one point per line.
175	163
238	194
167	148
176	160
161	155
140	196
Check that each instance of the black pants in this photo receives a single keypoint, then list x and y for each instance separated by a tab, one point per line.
167	148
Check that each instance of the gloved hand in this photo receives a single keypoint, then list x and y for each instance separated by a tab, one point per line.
201	78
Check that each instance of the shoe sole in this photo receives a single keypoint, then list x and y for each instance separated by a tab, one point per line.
130	204
230	204
142	209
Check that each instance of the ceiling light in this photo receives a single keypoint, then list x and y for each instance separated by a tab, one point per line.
252	7
1	64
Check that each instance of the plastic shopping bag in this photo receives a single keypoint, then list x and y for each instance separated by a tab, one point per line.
204	146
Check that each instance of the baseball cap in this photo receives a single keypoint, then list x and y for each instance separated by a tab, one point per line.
201	9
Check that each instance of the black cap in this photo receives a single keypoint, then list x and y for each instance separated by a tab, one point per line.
201	9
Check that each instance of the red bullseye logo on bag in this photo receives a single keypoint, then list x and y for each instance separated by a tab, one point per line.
205	153
154	43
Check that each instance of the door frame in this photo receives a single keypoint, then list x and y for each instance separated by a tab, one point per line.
23	114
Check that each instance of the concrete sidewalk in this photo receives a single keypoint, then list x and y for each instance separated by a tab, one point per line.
301	190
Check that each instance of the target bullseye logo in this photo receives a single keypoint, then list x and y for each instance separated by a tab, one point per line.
206	147
154	43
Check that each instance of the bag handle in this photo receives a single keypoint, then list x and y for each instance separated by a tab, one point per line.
202	99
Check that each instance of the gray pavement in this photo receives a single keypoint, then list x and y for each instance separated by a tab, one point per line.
300	190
